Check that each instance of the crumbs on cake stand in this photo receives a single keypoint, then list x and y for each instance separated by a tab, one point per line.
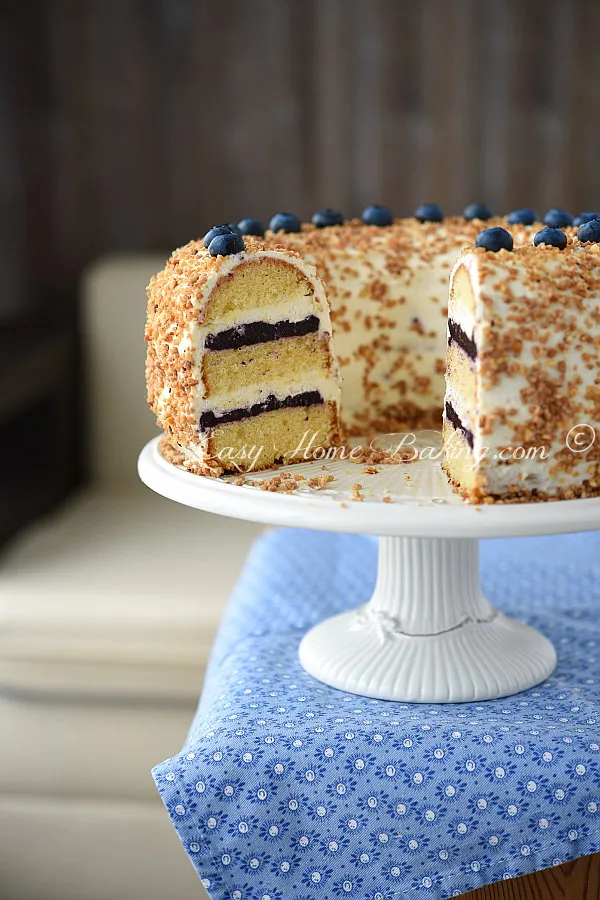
356	493
284	484
367	456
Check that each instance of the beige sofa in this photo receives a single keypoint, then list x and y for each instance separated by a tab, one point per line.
107	613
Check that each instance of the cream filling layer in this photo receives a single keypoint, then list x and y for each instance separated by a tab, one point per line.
460	407
251	394
295	310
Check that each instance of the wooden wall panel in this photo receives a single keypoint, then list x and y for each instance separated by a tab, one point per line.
134	124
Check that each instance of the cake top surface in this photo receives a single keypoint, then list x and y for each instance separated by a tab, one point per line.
543	265
191	266
399	236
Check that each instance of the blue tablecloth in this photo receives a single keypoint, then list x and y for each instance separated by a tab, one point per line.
288	790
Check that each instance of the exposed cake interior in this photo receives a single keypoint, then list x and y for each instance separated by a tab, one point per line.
258	442
259	347
460	402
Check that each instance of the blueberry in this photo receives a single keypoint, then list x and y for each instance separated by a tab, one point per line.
477	211
554	237
494	239
585	217
251	226
216	230
285	222
226	244
233	227
377	215
558	218
429	212
522	217
327	217
590	232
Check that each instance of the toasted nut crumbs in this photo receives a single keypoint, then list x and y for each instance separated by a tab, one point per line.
356	493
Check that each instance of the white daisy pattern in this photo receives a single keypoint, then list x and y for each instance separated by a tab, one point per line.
286	787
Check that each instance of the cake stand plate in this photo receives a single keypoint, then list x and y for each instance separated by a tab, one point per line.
428	634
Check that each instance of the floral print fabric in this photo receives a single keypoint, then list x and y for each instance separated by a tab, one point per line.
288	790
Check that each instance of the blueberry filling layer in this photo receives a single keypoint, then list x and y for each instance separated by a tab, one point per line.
454	420
210	419
259	333
462	340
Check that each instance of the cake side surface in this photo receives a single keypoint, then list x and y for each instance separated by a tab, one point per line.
523	383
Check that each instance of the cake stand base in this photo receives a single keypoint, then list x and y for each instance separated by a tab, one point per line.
428	634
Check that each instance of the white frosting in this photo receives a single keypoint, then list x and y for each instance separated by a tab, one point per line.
294	310
460	407
196	453
420	296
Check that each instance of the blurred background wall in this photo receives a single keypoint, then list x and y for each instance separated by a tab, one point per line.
131	125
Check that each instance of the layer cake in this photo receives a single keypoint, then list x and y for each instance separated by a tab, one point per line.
251	335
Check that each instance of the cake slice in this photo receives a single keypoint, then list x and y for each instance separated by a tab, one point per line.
239	362
522	403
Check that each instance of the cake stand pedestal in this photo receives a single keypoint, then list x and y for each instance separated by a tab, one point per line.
427	634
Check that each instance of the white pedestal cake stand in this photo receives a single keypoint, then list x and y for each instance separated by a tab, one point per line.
427	634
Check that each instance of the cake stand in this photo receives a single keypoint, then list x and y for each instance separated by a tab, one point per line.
428	634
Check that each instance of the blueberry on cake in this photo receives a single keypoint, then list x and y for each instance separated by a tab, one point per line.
522	401
239	362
